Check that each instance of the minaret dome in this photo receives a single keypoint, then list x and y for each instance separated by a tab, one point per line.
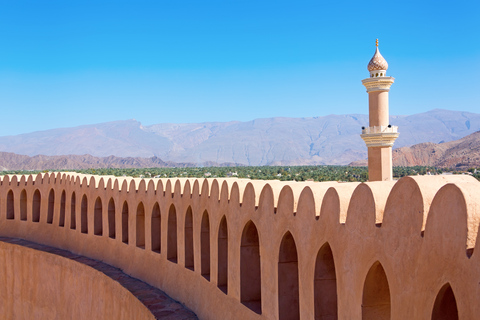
378	65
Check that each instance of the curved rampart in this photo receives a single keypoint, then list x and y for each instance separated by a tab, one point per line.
35	284
241	249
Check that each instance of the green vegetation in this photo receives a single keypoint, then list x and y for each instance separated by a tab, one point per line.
283	173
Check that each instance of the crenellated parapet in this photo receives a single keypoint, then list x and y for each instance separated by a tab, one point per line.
247	249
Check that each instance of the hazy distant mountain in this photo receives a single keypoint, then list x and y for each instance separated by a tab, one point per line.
332	139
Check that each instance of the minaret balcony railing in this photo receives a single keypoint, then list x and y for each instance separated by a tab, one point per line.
380	136
380	129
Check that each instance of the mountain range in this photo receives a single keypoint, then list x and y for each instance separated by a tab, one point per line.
332	139
462	154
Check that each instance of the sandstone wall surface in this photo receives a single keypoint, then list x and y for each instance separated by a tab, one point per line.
39	285
241	249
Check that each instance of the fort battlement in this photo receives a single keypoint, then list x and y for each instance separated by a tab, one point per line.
242	249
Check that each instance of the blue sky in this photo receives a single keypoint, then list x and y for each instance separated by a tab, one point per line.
68	63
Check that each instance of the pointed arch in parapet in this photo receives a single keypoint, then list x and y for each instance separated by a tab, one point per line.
335	203
376	294
115	185
100	183
38	179
311	198
141	187
196	188
132	186
160	189
46	178
222	259
10	206
62	176
453	219
73	220
250	268
14	181
51	206
215	190
156	229
297	188
124	188
151	191
84	215
172	250
225	190
20	181
36	206
23	205
140	226
179	187
111	216
276	188
187	189
168	189
237	191
189	248
98	217
367	204
94	181
125	214
6	180
251	193
286	205
63	209
205	192
68	178
288	284
30	180
49	178
445	306
58	177
205	246
85	182
78	181
405	210
325	284
307	204
109	183
249	196
23	180
266	200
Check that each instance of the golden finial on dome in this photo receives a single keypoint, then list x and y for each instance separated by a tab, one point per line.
377	62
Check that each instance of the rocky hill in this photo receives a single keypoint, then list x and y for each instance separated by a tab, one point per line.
12	161
461	154
332	139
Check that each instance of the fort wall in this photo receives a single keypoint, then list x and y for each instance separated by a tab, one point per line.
39	285
242	249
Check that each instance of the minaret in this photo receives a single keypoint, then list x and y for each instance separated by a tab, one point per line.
379	136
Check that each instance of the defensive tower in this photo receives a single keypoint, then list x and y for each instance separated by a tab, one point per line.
379	136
